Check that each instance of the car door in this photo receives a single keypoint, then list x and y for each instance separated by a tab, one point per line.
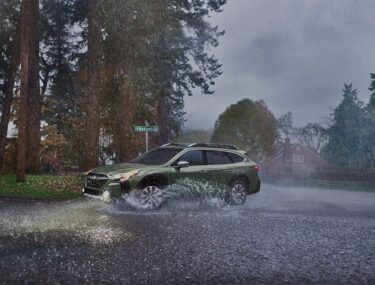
221	166
195	169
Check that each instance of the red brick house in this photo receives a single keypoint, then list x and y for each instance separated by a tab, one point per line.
293	160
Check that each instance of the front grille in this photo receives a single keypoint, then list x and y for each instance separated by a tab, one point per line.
96	181
93	192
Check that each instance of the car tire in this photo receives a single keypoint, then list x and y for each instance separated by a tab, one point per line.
236	192
151	197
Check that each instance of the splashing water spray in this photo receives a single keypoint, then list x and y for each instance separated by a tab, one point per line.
211	194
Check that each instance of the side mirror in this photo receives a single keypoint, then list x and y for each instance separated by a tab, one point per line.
182	164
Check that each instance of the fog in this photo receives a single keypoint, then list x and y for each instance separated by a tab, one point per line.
295	55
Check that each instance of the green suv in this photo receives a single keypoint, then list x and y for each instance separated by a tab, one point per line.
150	176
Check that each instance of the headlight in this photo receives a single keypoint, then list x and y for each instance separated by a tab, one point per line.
87	172
126	175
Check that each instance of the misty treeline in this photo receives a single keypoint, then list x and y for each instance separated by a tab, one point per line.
347	140
351	135
77	75
252	126
313	135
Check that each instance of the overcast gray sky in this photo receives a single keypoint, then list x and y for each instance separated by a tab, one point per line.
293	54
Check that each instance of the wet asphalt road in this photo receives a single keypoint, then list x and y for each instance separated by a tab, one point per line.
280	236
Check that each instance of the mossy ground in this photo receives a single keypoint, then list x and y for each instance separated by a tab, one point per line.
41	186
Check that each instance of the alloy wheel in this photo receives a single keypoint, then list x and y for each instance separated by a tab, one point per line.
151	197
237	194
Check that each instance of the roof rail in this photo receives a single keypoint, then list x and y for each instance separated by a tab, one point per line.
214	145
175	144
209	145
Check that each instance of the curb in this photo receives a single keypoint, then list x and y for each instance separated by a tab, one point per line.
46	199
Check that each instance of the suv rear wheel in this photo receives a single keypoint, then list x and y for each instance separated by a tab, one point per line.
236	193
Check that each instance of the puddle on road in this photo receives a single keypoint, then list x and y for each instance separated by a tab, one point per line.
84	219
90	220
95	222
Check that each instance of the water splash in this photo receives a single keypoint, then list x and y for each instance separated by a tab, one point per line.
132	200
203	193
188	187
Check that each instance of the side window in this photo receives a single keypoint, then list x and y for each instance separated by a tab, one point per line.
194	157
215	157
232	157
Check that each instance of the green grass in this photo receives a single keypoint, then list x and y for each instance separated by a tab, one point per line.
41	186
358	186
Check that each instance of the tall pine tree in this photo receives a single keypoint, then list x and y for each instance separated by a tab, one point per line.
10	38
92	126
30	104
346	147
371	122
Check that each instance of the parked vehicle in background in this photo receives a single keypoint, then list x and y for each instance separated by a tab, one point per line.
151	173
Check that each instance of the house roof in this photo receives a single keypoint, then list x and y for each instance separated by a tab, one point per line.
293	145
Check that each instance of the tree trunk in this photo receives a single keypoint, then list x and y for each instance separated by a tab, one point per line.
92	126
34	98
124	129
8	91
162	117
29	106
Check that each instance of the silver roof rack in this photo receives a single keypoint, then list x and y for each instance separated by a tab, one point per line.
208	145
175	144
214	145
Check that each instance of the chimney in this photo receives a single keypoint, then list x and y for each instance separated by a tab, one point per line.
287	142
287	151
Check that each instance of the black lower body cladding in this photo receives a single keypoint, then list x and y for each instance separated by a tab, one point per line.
125	186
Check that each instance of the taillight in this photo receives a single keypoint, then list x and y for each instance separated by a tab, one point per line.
256	167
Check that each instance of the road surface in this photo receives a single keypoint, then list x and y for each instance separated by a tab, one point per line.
279	236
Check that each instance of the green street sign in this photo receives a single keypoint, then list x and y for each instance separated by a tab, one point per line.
146	128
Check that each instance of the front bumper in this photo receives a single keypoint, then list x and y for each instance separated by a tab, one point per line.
92	196
92	192
113	189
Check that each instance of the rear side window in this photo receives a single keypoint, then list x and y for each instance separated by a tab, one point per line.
220	157
215	157
194	157
233	158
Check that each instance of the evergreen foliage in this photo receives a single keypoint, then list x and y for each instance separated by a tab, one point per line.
347	145
150	55
9	14
370	108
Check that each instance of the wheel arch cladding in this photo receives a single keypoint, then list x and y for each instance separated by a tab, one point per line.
159	180
243	178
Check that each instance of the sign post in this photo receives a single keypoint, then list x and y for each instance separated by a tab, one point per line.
146	141
146	129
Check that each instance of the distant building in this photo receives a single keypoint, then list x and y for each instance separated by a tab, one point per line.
294	160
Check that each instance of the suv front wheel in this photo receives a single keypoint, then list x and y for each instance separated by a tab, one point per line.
151	197
236	193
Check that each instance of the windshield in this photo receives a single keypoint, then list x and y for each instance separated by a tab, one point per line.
157	156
